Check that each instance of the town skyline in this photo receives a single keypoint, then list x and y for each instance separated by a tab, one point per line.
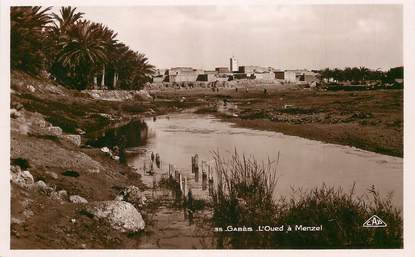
283	37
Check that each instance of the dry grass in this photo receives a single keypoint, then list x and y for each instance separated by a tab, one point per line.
244	197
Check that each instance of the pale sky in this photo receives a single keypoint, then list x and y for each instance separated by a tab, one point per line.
286	37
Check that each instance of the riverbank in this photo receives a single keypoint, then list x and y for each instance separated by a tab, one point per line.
57	176
62	190
369	120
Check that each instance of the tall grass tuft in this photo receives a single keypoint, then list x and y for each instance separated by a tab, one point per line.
244	197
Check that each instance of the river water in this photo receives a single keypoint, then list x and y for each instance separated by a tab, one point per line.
302	164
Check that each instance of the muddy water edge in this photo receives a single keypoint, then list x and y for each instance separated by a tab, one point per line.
170	223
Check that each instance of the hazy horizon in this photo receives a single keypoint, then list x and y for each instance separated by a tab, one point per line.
285	37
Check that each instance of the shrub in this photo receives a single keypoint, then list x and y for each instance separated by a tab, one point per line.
342	215
71	173
244	197
22	163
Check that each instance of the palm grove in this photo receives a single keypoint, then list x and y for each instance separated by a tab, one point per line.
74	51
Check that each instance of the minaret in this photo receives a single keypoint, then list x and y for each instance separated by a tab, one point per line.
233	64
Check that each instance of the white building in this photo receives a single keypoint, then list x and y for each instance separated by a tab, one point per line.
290	76
233	64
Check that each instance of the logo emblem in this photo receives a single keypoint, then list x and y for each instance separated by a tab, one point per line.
374	222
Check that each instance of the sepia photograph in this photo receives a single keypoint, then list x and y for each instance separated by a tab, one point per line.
206	126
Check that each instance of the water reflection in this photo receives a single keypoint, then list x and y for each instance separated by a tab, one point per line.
135	133
303	164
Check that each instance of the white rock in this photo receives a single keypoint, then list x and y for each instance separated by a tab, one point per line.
132	194
74	139
52	174
61	195
105	149
15	169
77	199
55	131
15	114
22	178
42	186
121	215
31	88
40	123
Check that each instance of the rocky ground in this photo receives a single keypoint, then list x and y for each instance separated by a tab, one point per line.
65	194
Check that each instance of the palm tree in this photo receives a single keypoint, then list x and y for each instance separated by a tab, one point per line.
81	51
363	73
58	32
109	38
74	50
144	69
67	18
133	67
27	37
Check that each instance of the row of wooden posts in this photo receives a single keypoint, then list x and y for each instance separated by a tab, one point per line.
184	192
202	168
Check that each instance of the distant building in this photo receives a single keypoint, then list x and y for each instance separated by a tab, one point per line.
240	76
222	70
251	69
279	75
180	71
205	77
233	64
182	74
309	77
264	76
290	76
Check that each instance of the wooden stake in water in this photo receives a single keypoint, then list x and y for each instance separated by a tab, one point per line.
204	180
189	206
185	187
197	175
196	168
204	176
210	180
180	182
176	175
193	164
